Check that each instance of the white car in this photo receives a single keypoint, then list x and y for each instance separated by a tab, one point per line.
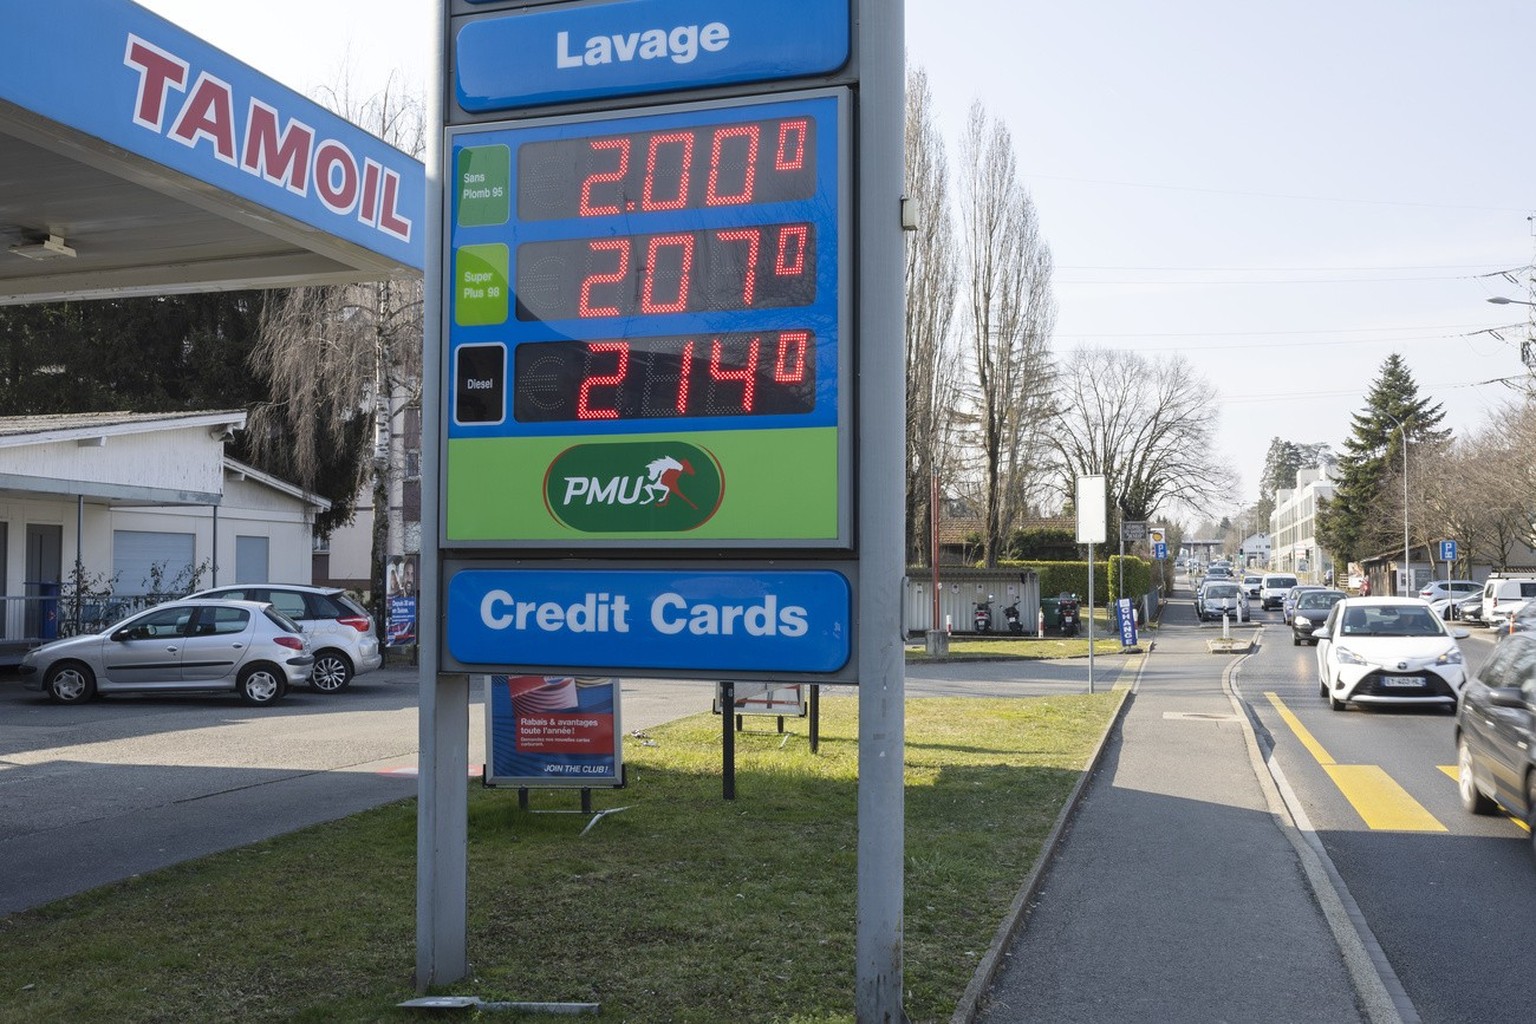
1388	650
1274	587
1434	590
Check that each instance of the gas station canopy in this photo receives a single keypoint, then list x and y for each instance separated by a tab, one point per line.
136	159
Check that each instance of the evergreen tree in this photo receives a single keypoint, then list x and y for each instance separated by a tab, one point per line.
1351	524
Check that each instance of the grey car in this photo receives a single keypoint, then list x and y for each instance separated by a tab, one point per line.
241	646
339	629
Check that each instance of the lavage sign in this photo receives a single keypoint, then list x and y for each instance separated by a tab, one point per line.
643	46
739	620
681	44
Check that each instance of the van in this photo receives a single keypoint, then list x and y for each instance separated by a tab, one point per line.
1504	596
1273	588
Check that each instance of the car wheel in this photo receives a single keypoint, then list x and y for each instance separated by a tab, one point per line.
1334	704
332	672
1295	640
70	683
1472	799
261	684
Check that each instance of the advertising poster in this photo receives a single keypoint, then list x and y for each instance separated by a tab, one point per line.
400	602
1127	616
767	699
544	731
400	629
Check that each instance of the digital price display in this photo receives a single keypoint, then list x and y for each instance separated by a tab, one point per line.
656	297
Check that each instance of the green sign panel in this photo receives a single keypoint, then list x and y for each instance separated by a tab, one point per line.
484	183
480	285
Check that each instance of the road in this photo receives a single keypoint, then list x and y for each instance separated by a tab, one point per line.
1448	896
95	793
119	786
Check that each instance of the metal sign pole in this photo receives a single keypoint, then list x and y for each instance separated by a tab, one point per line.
442	806
878	936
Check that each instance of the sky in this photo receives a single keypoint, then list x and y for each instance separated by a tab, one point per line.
1282	194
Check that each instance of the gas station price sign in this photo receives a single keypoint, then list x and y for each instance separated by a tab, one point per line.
648	313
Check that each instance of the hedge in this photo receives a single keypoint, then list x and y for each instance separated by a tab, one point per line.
1072	577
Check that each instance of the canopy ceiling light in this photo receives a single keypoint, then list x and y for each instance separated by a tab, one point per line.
50	248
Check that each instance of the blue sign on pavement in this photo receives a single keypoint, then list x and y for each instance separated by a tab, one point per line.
629	47
1160	551
1127	616
584	619
1447	551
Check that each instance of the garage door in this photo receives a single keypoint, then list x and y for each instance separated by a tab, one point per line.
146	562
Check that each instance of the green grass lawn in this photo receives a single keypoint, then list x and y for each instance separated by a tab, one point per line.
683	908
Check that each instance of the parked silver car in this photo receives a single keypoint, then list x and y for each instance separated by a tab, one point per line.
188	645
339	629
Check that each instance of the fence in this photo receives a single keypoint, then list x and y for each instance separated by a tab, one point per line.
34	618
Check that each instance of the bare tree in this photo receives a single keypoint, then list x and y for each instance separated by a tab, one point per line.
1146	425
338	353
1010	312
932	290
1479	489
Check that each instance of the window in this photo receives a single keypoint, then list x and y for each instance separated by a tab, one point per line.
147	563
223	621
252	564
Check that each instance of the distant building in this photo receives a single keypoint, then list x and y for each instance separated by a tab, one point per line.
1293	539
1255	550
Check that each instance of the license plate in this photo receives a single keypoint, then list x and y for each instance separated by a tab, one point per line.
1404	682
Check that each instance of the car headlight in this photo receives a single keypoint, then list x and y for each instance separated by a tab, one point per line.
1301	621
1450	657
1348	657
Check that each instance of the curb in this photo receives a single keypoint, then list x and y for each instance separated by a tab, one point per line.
986	969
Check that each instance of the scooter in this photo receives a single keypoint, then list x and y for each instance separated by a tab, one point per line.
1069	615
982	620
1011	613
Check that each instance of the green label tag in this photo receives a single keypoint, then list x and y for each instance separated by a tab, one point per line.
634	487
480	285
484	183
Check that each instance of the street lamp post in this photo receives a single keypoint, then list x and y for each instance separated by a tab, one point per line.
1403	428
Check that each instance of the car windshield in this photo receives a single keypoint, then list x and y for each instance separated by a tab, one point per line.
1221	590
1317	599
1281	582
1391	620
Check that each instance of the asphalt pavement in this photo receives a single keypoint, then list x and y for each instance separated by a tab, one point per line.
1179	890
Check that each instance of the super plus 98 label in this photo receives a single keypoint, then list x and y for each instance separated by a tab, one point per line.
664	278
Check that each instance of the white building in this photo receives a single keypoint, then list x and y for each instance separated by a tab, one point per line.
141	501
1255	550
1293	526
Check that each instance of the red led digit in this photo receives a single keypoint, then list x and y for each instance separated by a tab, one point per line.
584	305
617	174
790	261
584	410
648	200
753	237
791	152
746	375
787	368
712	195
683	242
684	373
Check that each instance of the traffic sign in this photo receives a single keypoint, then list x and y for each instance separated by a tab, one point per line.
1160	551
1447	551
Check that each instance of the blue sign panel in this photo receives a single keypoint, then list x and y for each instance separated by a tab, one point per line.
1447	551
643	46
114	71
1127	616
1160	551
726	621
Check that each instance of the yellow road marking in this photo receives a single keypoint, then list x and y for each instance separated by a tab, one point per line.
1307	739
1375	795
1455	775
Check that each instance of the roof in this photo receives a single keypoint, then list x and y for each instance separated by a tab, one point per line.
244	471
139	160
76	426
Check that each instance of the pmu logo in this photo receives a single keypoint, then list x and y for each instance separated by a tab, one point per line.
634	487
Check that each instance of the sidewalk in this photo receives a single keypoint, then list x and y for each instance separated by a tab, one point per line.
1176	894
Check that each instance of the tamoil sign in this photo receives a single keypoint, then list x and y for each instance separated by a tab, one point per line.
643	304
